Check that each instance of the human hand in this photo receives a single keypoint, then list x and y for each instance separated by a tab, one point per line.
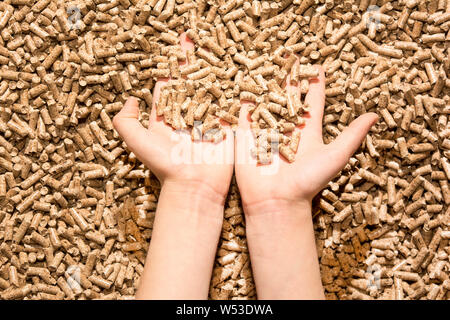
282	183
277	198
202	168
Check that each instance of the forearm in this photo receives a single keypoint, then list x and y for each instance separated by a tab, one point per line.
183	246
283	251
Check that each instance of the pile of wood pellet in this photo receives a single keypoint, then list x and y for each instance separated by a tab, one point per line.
77	208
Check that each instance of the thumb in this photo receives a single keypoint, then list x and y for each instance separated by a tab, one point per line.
351	138
128	126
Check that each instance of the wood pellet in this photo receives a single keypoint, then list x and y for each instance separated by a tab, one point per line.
77	207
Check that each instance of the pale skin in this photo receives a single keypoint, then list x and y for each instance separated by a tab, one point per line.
189	216
277	207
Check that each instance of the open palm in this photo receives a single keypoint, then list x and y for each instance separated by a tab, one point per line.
315	162
172	155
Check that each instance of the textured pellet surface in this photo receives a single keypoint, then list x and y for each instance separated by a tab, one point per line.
77	208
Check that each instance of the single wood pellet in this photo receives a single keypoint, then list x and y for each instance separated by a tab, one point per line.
77	208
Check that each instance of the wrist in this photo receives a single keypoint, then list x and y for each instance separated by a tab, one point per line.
269	215
185	236
277	207
193	189
282	232
193	197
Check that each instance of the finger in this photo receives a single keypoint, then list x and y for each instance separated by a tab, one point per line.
156	94
186	44
316	100
128	126
244	115
229	145
293	88
351	138
244	137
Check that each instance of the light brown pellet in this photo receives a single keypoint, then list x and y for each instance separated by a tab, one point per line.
65	175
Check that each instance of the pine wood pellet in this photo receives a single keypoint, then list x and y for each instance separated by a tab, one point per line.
77	208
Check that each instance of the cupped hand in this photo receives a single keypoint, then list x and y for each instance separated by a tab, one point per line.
316	163
172	155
